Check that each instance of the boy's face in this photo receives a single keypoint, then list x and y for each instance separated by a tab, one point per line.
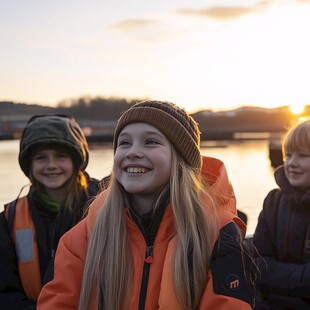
297	168
52	167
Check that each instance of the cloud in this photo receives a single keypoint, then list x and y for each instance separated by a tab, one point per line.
148	30
224	12
133	24
164	29
218	12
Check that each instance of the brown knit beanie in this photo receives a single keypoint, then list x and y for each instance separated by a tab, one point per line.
177	125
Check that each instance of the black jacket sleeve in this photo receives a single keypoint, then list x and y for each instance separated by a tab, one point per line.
232	265
12	295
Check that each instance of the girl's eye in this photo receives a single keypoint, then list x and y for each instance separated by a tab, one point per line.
38	157
151	141
62	155
122	142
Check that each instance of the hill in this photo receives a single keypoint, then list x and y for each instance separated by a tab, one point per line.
98	116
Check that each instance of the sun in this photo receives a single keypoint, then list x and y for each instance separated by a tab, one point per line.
297	108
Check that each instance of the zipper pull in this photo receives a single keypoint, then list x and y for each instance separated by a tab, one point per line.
149	254
52	253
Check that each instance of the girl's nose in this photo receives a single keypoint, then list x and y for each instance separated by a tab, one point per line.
134	151
51	163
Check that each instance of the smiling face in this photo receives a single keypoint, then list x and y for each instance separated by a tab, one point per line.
52	167
297	168
142	161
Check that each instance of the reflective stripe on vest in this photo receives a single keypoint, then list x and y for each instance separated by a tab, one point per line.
24	237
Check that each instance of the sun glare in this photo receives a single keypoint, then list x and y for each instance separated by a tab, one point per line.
297	108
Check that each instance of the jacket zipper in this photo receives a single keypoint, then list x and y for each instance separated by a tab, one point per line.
145	275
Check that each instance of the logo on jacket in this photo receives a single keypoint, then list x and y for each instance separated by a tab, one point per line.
232	282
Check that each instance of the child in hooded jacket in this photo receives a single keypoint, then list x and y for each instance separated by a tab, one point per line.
282	235
164	235
53	155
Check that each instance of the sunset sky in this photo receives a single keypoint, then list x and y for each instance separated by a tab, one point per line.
199	54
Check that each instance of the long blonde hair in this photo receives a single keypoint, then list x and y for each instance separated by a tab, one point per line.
108	266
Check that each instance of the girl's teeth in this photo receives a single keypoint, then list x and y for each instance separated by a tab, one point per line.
136	170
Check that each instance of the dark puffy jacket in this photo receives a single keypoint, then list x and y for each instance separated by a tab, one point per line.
282	238
50	226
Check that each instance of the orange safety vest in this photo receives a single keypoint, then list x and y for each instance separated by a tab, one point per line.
24	237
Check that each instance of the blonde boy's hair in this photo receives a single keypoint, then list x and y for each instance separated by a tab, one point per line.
297	138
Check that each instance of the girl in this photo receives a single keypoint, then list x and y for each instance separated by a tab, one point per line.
164	234
53	155
282	235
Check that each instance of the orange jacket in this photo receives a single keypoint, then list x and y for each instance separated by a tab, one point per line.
63	292
24	237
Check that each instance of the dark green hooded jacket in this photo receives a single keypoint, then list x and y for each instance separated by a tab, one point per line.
43	130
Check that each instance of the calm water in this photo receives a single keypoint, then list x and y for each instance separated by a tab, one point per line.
247	164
